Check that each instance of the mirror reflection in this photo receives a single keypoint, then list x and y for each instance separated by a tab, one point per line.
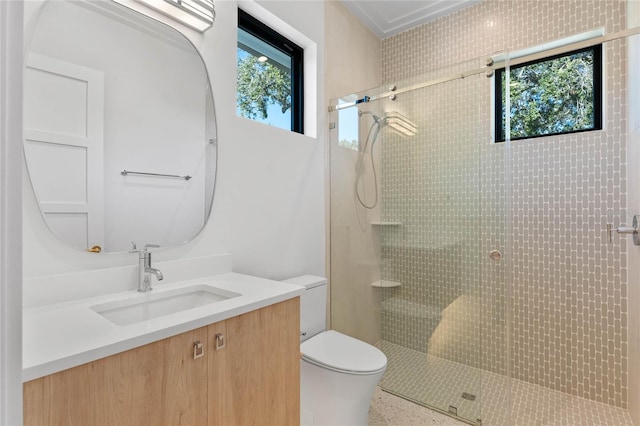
108	89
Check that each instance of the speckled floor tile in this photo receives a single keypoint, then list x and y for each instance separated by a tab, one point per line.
390	410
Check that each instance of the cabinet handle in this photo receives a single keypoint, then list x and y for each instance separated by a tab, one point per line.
198	350
219	341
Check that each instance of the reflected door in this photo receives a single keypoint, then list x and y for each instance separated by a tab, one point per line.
64	147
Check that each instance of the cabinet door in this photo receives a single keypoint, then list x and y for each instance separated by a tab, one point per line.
217	366
156	384
36	402
262	366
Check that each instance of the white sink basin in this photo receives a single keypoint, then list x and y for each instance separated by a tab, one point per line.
154	305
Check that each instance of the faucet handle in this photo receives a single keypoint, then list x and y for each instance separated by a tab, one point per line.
134	248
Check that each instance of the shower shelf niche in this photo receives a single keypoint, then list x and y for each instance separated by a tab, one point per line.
386	223
385	284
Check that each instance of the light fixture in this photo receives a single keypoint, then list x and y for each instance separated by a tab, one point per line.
196	14
263	59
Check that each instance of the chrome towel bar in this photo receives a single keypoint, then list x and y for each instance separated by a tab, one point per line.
129	172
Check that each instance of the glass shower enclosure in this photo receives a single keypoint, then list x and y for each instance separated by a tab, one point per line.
418	214
486	271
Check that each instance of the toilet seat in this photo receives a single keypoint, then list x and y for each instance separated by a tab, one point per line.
335	351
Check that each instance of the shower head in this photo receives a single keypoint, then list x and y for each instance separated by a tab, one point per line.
396	122
375	117
399	123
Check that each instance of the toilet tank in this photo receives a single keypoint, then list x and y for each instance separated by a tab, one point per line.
313	305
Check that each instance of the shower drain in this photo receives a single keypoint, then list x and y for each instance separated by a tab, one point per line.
468	396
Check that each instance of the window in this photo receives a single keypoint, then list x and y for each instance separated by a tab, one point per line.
270	82
551	96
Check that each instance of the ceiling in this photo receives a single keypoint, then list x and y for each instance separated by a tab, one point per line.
389	17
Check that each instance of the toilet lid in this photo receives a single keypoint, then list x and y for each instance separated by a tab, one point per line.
339	352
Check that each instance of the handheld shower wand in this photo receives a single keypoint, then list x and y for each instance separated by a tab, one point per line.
378	123
397	122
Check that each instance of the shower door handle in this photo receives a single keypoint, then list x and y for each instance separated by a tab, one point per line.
625	230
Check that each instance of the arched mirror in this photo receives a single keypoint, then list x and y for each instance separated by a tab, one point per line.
120	131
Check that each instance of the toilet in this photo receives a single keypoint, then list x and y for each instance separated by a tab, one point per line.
338	374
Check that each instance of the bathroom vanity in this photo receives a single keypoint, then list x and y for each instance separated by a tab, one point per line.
235	361
126	92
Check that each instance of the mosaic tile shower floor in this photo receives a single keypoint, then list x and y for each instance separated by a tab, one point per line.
421	377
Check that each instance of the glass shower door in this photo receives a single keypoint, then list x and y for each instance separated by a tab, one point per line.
441	237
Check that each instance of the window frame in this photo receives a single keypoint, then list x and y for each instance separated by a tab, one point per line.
499	131
258	29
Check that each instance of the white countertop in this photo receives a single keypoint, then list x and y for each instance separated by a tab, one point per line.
64	335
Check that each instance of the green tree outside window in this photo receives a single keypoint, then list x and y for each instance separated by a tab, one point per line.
261	84
552	96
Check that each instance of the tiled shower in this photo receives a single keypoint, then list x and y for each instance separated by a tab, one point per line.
539	337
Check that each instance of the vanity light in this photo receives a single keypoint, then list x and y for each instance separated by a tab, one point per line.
196	14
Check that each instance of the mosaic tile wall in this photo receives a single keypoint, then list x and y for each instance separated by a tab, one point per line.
562	287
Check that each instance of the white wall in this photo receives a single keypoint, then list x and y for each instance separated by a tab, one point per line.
268	208
10	236
278	206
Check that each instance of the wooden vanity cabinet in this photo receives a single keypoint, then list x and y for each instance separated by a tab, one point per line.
156	384
261	371
250	375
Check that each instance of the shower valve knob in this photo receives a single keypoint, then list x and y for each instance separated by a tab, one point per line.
495	255
625	230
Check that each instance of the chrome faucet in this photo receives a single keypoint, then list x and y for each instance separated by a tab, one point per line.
145	270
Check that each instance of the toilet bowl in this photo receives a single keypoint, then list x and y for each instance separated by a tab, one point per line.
338	374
